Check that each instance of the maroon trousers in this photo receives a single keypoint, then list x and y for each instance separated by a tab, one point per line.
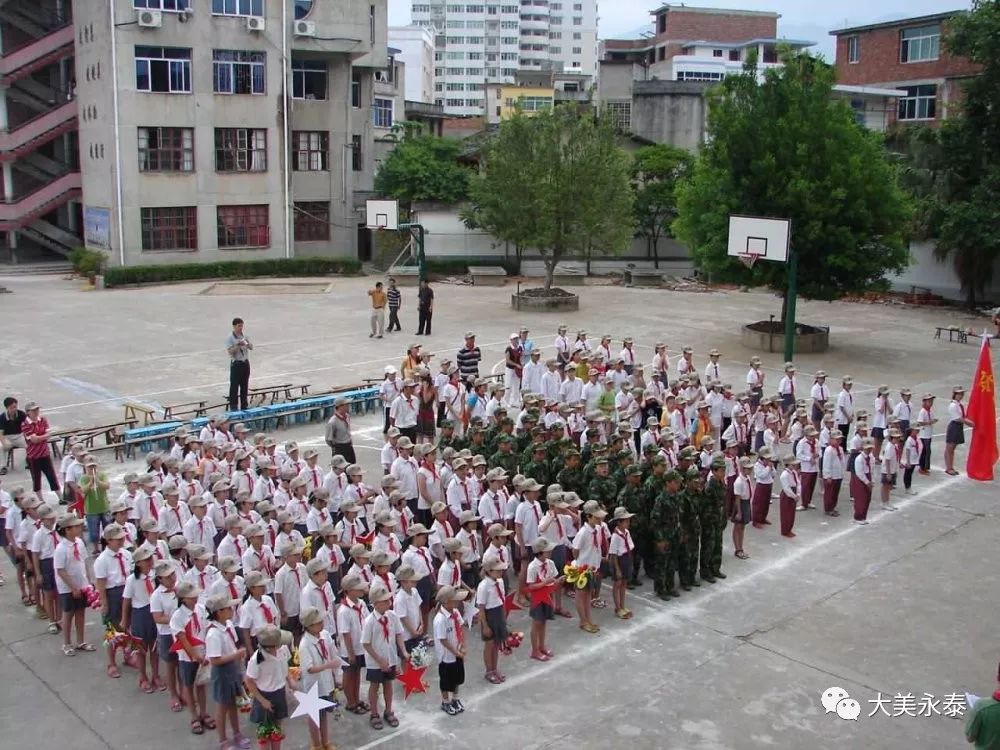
861	494
730	497
787	507
831	494
760	503
808	487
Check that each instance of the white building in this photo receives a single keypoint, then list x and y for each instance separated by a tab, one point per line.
484	42
416	51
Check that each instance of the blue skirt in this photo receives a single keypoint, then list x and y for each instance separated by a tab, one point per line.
227	683
142	626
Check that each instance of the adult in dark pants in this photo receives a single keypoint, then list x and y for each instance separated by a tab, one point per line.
425	308
239	347
338	431
395	302
36	434
11	419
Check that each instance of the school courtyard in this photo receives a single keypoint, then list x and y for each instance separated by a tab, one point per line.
900	614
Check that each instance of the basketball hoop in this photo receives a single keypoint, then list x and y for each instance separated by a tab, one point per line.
748	259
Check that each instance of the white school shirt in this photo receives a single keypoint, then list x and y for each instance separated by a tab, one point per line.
350	531
138	590
755	379
288	582
201	531
449	574
627	355
713	372
292	537
819	392
590	393
315	650
490	593
903	410
406	604
763	474
350	621
531	377
364	572
263	561
203	579
387	455
404	471
194	622
561	345
107	567
587	543
570	390
386	543
790	484
912	449
459	495
130	500
71	557
551	381
173	518
863	468
149	506
264	489
716	402
316	519
845	406
44	542
453	396
220	640
189	488
25	532
741	487
881	409
433	484
557	529
270	672
373	634
854	444
956	411
163	602
322	599
808	455
418	558
491	507
447	626
891	456
541	570
528	516
834	462
824	438
388	391
621	542
233	546
404	411
219	512
927	431
471	541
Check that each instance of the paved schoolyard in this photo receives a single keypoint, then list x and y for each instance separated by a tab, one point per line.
903	606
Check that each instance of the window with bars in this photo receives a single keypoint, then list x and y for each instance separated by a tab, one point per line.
164	70
920	103
170	228
166	149
167	5
357	163
309	78
311	149
620	114
243	226
312	221
238	7
240	150
382	112
238	71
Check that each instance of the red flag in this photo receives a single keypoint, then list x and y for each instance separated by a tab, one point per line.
983	414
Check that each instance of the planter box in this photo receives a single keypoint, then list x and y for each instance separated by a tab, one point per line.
643	277
537	303
404	275
488	275
808	339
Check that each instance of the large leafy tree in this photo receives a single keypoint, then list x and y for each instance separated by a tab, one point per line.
656	172
423	168
555	181
785	148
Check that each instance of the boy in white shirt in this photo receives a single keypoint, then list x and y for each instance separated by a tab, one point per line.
892	454
927	421
911	456
111	569
199	528
790	484
351	616
321	666
70	565
449	646
382	636
834	466
406	604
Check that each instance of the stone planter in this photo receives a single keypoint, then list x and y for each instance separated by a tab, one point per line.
538	300
769	336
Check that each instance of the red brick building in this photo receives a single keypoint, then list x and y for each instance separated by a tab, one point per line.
910	55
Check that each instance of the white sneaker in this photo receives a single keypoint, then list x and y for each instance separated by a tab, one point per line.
911	492
861	523
890	506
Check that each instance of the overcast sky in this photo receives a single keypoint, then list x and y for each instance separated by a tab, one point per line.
800	19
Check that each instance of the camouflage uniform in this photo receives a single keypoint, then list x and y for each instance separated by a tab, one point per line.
537	470
633	499
664	520
571	480
604	491
687	556
508	461
713	526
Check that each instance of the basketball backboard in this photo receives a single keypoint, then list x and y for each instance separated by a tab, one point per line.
753	238
382	214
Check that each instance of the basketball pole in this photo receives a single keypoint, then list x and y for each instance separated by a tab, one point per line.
793	275
417	232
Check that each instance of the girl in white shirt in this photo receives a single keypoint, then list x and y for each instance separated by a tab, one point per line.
490	597
892	455
162	604
587	551
470	538
70	565
320	665
331	552
259	609
382	636
111	569
43	548
861	482
621	556
318	593
136	618
742	494
187	625
351	616
226	656
790	495
267	678
911	456
955	433
542	575
763	475
406	604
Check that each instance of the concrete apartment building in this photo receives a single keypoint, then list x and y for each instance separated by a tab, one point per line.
909	55
416	51
230	129
483	43
40	215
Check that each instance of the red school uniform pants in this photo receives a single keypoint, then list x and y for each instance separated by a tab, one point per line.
760	503
808	487
861	494
787	509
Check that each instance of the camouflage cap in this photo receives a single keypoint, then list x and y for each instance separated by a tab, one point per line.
672	476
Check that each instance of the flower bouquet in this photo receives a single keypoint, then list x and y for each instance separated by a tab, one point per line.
578	575
514	639
268	732
420	656
294	671
337	699
92	597
243	703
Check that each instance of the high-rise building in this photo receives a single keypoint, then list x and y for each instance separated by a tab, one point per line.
416	51
482	43
230	129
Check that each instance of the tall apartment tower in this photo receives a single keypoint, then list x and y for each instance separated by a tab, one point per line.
479	43
229	129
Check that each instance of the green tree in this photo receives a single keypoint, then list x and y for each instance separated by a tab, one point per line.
656	172
557	182
423	168
785	148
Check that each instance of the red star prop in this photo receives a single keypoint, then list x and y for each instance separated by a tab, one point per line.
367	539
509	605
176	647
543	595
412	679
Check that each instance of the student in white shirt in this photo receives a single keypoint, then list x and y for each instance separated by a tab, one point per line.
199	528
382	637
927	421
742	495
845	406
892	454
881	409
162	604
403	412
531	376
136	619
226	656
234	544
70	565
490	596
331	553
111	569
551	381
406	604
789	499
834	467
389	452
588	551
388	392
911	456
763	477
861	482
321	666
187	625
351	616
288	583
902	412
201	573
404	471
809	454
42	547
621	554
449	647
955	433
318	593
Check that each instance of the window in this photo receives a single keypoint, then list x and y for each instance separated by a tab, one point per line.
382	112
920	43
734	55
174	228
716	53
920	103
456	87
455	71
577	21
243	226
311	150
308	79
455	40
698	75
455	102
356	161
475	55
164	70
238	71
455	24
238	7
555	35
421	9
555	50
577	6
620	114
474	8
166	149
168	5
555	20
312	221
304	7
577	36
534	103
853	49
473	40
240	150
454	55
356	88
555	6
578	50
473	71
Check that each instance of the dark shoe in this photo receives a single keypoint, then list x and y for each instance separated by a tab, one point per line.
3	470
675	594
631	585
449	708
371	335
696	583
686	587
718	574
458	705
707	579
665	597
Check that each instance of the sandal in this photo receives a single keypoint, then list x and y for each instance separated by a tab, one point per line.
85	647
208	722
176	706
113	671
357	709
68	651
390	719
376	722
144	686
158	686
493	678
197	727
363	706
598	604
563	613
53	628
25	600
742	555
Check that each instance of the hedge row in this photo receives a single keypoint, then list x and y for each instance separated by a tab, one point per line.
230	270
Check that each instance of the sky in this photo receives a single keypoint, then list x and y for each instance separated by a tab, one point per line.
800	19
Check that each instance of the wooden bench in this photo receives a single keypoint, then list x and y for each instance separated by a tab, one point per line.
954	334
133	409
488	275
192	408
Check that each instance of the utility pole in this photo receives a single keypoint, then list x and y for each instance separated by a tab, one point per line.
793	274
417	232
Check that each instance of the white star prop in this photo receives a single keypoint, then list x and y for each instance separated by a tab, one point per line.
310	704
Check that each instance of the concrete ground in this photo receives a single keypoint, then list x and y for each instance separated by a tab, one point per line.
903	606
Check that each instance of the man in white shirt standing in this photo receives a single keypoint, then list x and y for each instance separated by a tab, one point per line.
531	375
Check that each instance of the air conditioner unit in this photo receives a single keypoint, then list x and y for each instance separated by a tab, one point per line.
255	23
305	28
150	19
